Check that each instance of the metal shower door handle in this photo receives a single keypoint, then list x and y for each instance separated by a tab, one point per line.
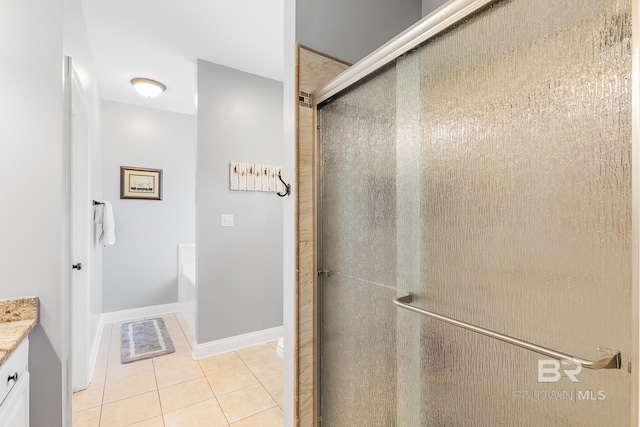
324	273
608	359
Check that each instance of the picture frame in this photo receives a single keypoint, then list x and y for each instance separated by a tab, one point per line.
140	183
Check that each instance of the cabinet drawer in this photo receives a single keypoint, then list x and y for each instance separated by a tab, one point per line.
17	363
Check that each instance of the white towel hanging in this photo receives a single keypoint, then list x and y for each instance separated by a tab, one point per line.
98	213
108	236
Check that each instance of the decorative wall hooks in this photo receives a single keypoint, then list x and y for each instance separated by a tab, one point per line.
257	177
286	186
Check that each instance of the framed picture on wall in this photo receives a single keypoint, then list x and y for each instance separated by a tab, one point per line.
140	183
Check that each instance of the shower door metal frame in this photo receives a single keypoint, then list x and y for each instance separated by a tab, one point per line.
317	176
439	20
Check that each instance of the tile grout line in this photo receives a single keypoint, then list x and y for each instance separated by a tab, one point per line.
260	382
215	396
118	339
269	393
222	394
158	385
104	382
204	376
157	390
155	377
162	413
252	415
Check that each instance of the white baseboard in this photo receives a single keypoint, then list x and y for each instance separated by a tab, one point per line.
200	351
189	315
137	313
237	342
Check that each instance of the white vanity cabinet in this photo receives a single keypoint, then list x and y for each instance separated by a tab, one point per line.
14	388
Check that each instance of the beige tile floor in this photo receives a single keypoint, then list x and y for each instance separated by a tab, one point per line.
236	389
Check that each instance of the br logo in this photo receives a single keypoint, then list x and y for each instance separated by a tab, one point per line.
551	371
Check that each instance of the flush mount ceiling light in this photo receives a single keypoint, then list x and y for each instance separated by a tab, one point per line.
147	87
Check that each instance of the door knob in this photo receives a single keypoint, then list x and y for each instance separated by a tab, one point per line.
77	266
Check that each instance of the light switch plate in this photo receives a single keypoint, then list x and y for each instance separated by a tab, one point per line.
226	220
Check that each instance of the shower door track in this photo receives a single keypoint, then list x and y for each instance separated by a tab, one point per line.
439	20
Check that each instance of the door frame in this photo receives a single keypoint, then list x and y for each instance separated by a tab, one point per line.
66	245
80	235
634	366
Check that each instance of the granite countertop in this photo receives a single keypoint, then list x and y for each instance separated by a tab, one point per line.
17	318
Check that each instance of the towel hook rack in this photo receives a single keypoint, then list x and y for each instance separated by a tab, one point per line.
97	203
286	186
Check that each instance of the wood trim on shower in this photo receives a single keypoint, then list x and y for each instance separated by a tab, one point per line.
313	70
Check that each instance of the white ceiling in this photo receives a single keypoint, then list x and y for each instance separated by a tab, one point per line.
162	39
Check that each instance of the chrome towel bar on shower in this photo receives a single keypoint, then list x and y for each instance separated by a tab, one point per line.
608	359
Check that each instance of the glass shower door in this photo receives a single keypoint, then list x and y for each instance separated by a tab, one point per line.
358	339
487	173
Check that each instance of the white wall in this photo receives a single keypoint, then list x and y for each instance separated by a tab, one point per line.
350	30
31	171
290	107
141	268
239	268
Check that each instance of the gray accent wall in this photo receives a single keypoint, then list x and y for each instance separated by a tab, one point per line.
350	30
31	184
240	118
429	6
141	269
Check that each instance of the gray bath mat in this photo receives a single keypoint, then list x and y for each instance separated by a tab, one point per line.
143	339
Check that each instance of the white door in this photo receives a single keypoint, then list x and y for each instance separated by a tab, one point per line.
81	223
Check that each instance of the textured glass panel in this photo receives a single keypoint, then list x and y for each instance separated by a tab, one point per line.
505	145
408	223
358	182
358	221
526	191
359	353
